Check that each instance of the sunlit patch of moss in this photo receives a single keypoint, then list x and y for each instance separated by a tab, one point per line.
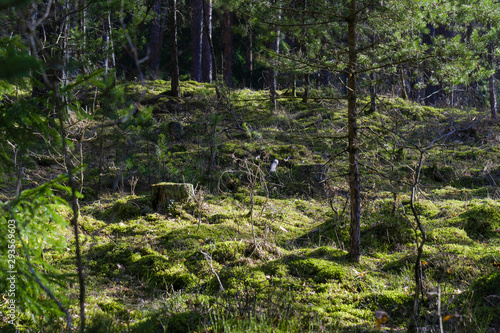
481	219
115	307
239	278
125	208
349	314
319	270
276	268
329	253
450	235
451	263
90	224
224	252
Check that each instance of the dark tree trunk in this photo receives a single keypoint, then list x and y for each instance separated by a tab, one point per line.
156	39
354	183
493	98
196	38
373	93
228	48
491	83
207	61
307	82
249	53
175	87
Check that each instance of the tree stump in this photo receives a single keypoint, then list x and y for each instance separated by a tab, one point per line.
163	194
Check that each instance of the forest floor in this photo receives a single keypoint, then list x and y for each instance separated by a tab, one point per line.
260	251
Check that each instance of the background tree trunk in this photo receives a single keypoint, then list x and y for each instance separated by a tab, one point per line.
175	87
228	47
207	61
196	38
249	53
270	78
156	38
491	83
354	184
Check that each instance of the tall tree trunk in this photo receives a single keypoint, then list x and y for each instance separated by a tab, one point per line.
493	97
106	39
66	48
196	38
271	73
354	183
207	62
303	51
175	86
228	48
307	82
156	39
249	53
373	92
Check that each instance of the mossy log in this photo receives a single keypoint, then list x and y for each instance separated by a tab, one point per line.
164	193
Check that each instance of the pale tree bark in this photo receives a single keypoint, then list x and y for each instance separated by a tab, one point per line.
354	182
270	77
196	38
175	85
491	80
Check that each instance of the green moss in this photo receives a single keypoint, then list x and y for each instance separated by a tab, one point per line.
114	307
224	252
161	272
450	235
483	298
439	173
319	270
125	208
388	232
239	278
218	218
481	219
276	268
398	304
90	224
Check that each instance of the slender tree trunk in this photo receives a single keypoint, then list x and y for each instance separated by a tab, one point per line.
354	183
307	81
207	62
175	86
228	48
271	73
493	98
111	44
66	49
196	38
249	53
303	49
156	39
492	92
106	39
373	93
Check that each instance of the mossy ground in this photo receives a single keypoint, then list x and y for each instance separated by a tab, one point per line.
256	251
